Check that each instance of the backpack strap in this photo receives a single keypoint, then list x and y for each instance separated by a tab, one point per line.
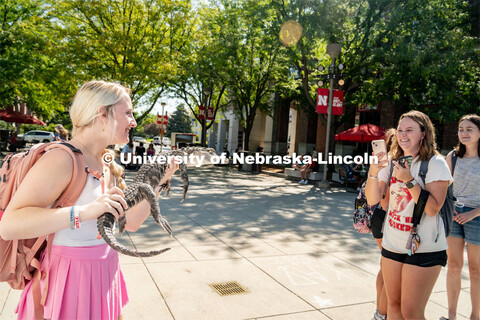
424	194
79	175
454	160
391	173
67	198
424	166
420	207
423	170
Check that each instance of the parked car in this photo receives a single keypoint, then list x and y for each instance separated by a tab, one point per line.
156	140
35	136
138	139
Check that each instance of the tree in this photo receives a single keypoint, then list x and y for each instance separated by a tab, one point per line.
419	54
200	82
254	60
28	72
320	22
179	121
135	42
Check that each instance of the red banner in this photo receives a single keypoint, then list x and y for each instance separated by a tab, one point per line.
201	112
322	101
162	121
210	113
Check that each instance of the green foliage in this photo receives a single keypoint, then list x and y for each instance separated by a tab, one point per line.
200	81
416	53
144	129
254	59
29	127
179	121
135	42
421	54
25	62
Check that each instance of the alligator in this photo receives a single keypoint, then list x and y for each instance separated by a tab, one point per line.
145	183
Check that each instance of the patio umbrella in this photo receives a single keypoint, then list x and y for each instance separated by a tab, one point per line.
361	133
13	116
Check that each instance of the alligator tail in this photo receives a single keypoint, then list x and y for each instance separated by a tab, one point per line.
105	227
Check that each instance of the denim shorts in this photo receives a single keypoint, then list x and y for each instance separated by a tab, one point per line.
470	231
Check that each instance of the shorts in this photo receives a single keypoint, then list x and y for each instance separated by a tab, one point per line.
376	224
470	231
424	260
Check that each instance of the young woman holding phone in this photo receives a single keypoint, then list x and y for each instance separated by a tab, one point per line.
409	279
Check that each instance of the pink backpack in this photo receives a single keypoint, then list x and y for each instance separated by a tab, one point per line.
20	259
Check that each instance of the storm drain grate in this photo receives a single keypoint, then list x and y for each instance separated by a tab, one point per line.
228	288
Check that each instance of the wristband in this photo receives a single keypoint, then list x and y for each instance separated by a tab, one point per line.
74	218
72	223
372	177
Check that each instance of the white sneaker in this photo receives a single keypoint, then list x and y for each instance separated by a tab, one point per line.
305	182
377	316
301	181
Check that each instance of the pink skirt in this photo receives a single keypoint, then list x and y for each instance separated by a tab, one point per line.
84	283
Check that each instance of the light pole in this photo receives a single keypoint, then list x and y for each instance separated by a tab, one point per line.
207	91
333	50
162	127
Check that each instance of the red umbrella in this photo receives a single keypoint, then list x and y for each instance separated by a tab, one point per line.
13	116
361	133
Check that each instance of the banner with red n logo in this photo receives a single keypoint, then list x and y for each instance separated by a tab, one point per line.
162	119
322	101
201	112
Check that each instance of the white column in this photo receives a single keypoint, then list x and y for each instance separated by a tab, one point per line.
221	135
292	131
233	134
212	135
268	140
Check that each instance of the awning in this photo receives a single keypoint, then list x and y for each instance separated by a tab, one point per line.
17	117
361	133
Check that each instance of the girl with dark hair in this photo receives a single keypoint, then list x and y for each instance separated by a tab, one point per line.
409	278
466	221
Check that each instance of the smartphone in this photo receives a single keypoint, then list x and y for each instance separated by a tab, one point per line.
379	146
407	159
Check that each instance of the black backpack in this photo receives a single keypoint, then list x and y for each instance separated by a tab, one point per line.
446	212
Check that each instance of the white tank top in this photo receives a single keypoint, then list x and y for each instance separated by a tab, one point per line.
87	234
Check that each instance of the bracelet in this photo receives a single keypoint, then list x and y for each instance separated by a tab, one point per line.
72	224
74	218
372	177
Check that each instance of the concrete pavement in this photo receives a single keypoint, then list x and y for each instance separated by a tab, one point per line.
292	246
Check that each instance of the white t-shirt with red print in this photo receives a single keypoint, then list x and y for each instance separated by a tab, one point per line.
398	221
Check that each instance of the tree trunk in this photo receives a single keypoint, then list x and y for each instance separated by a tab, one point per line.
246	140
203	141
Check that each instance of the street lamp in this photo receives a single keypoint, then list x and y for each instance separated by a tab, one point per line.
333	50
162	127
207	91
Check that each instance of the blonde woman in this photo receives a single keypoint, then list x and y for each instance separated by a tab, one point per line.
85	280
409	279
61	134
